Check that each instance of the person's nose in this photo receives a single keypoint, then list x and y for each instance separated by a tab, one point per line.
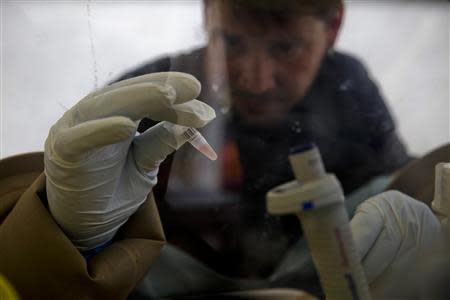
257	73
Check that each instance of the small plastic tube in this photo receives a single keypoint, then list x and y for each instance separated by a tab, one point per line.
199	142
176	135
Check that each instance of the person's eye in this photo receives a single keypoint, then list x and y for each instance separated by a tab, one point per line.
286	48
232	41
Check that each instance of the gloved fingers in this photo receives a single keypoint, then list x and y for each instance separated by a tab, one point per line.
420	227
193	113
371	239
70	144
386	215
144	100
186	85
405	228
133	101
366	226
382	254
155	144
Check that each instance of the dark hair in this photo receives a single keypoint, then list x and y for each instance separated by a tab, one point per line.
281	11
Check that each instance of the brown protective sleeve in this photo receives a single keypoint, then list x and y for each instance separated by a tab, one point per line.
42	263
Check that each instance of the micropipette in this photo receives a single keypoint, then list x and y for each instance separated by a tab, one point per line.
318	200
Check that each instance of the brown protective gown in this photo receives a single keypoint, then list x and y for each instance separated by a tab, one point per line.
41	262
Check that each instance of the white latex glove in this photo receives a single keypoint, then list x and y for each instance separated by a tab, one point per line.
98	171
393	231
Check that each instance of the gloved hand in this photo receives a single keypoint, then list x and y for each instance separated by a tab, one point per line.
392	232
98	171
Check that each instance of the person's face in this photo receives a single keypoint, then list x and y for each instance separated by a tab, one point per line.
268	68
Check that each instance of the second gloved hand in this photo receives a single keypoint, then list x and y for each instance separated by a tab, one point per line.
98	171
393	232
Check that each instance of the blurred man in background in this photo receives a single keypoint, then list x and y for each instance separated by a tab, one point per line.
270	70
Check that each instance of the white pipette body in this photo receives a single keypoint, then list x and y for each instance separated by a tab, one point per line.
317	199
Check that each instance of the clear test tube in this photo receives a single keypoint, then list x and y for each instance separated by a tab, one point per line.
199	142
318	201
179	134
